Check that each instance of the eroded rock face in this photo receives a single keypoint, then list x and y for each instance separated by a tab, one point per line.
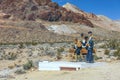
74	9
41	9
43	2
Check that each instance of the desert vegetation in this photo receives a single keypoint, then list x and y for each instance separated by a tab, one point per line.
28	65
117	53
113	44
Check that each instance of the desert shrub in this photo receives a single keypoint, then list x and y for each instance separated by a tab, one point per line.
58	56
21	45
11	66
103	46
107	52
112	44
71	50
31	43
50	53
117	53
34	43
20	71
28	65
96	57
11	56
61	49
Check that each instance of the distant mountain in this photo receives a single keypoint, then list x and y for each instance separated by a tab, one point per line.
97	20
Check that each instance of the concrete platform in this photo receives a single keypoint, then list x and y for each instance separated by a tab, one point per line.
69	66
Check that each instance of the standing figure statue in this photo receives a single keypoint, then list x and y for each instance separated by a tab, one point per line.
77	48
90	44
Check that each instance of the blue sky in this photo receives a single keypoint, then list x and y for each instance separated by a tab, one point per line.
109	8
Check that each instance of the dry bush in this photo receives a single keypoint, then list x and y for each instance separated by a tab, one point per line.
59	52
61	49
71	50
58	56
112	44
20	71
28	65
117	53
107	52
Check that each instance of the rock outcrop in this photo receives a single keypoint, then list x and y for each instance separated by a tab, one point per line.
41	9
97	20
74	9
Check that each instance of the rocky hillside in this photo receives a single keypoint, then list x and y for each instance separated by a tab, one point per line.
97	20
27	31
46	21
73	8
107	23
41	9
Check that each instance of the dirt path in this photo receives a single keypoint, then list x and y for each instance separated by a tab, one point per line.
111	71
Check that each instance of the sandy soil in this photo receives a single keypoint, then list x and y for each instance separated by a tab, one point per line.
110	71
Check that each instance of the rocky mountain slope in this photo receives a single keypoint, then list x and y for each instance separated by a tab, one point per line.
97	20
107	23
46	21
27	31
73	8
41	9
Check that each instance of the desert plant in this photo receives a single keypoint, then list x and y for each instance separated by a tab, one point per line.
21	45
71	50
11	66
103	46
112	44
107	52
96	57
59	56
20	71
28	65
61	49
34	43
12	56
50	53
117	53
